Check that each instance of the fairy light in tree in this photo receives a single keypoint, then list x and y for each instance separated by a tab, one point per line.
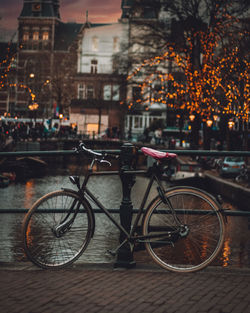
203	88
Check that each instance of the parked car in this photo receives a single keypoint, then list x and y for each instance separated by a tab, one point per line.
232	165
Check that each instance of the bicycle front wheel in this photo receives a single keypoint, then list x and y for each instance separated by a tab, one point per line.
54	236
199	241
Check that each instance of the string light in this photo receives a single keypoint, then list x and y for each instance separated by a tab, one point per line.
203	89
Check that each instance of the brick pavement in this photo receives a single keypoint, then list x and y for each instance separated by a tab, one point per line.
100	288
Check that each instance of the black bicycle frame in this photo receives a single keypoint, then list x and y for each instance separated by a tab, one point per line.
154	177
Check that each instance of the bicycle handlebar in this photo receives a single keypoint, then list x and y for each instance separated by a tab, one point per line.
97	155
83	148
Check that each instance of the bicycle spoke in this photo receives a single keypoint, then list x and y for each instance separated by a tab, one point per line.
43	245
200	237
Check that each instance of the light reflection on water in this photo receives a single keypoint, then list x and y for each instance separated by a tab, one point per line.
235	252
226	252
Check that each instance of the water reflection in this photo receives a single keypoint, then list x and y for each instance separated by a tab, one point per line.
226	252
236	249
29	193
235	252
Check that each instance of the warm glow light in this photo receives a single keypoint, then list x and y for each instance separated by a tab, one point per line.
209	123
231	124
215	117
33	106
191	117
224	73
226	252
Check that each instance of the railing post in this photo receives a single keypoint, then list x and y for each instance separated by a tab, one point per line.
125	255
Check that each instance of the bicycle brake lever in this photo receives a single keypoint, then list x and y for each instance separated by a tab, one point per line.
105	161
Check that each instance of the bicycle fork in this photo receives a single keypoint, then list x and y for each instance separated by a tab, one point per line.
65	224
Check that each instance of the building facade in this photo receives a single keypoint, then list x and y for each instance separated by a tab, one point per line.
99	104
44	63
80	70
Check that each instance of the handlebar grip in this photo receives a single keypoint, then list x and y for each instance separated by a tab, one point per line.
100	155
82	148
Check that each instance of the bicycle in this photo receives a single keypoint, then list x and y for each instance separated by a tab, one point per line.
242	177
182	228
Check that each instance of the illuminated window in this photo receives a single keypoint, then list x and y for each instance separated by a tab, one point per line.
36	36
95	44
45	35
26	36
93	69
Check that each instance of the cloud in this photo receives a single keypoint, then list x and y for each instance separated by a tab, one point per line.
98	11
9	12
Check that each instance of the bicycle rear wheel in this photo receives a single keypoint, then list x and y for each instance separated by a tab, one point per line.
44	245
201	239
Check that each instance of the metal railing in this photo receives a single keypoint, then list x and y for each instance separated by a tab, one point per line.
117	211
178	152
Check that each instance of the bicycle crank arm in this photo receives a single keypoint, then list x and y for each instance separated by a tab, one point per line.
115	251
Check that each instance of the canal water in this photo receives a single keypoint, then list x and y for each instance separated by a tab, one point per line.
108	189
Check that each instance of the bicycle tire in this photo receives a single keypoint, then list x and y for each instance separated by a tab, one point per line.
204	239
41	245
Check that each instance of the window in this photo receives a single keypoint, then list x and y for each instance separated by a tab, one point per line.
116	44
26	36
95	44
111	92
90	92
81	91
137	121
93	68
116	93
107	92
136	93
36	35
45	35
85	91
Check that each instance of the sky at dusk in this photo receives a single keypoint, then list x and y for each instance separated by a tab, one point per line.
99	11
